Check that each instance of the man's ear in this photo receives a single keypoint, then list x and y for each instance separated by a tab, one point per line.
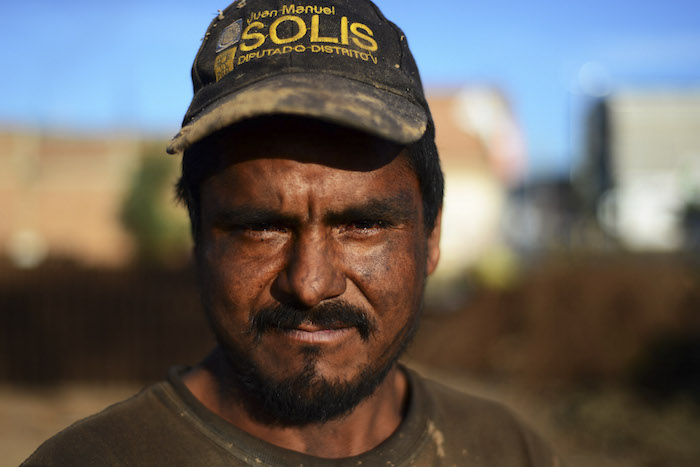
433	253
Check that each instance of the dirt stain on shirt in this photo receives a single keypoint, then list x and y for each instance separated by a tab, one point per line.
438	439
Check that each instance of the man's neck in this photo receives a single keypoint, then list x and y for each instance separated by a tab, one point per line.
370	423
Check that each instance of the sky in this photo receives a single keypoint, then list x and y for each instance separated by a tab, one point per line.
96	67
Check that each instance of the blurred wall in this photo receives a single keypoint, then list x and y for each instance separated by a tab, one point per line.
644	145
61	196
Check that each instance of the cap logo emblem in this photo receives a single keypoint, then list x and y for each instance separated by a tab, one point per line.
230	35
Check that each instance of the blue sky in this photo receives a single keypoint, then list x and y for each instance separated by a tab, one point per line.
103	66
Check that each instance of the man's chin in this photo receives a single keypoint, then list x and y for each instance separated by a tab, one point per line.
303	398
316	387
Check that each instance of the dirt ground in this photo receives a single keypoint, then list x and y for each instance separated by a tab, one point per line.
29	415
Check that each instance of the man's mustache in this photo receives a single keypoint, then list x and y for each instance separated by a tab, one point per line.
336	314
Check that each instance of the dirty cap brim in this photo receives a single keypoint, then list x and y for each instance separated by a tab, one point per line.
327	97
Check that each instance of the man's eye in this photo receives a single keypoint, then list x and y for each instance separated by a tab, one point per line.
364	226
257	230
264	227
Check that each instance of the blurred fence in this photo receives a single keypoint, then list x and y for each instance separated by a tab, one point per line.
575	319
581	320
61	322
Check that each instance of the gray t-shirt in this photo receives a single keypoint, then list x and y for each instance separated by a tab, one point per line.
166	425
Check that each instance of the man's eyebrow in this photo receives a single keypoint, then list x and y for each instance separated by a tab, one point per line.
397	209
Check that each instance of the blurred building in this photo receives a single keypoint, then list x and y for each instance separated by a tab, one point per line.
482	151
542	216
642	167
61	196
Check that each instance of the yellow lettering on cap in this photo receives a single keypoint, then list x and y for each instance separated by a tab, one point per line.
273	29
314	32
259	37
371	44
344	30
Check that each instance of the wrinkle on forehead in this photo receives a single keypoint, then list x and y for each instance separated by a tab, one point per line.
287	185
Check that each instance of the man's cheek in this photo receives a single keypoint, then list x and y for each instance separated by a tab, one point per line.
237	267
388	270
370	265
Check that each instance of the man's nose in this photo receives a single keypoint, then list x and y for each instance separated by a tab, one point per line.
312	273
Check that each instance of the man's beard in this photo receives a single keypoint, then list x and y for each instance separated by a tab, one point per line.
306	397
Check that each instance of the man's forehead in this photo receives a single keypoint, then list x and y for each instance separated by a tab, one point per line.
282	191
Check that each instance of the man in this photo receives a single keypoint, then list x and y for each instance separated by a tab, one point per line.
314	190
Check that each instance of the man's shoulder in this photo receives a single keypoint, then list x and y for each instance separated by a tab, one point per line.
476	427
102	439
456	403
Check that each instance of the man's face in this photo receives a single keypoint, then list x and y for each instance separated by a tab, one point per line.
313	257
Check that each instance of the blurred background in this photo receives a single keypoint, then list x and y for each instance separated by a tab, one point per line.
569	280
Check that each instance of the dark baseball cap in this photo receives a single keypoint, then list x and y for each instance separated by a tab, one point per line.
340	61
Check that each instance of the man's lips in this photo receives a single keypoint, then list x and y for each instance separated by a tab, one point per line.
313	334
